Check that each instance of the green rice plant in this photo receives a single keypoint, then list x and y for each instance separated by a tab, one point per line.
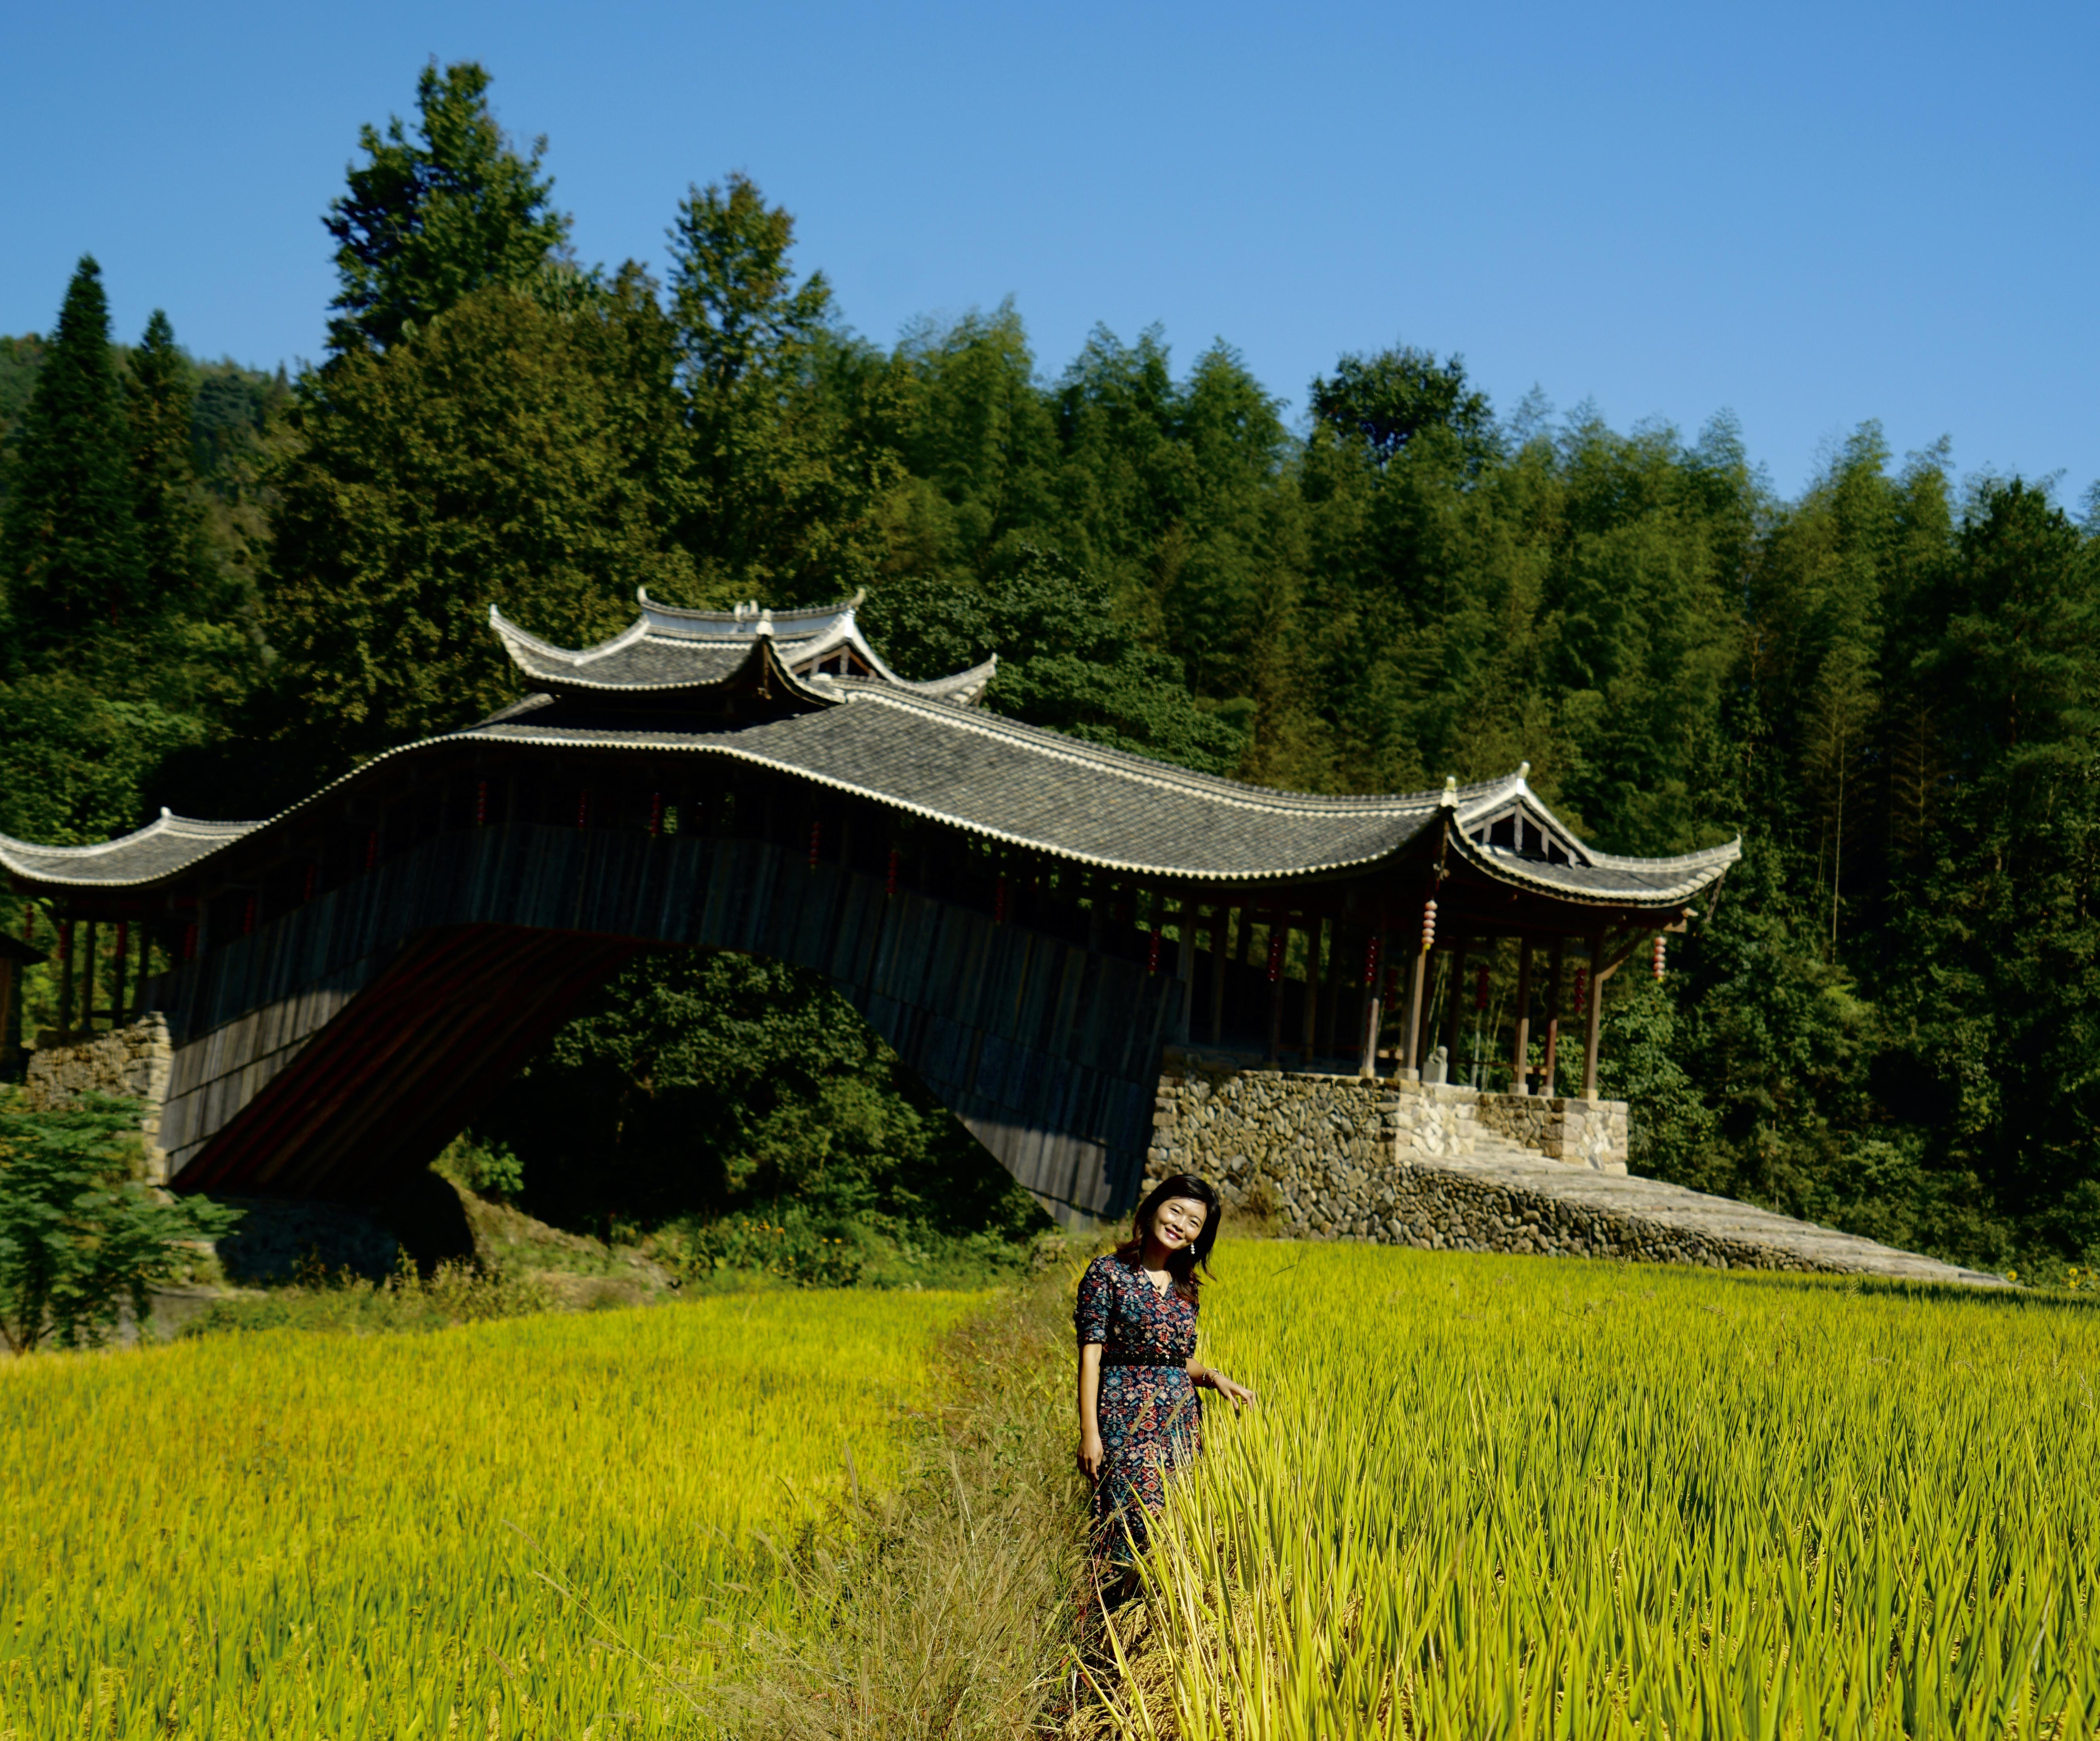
554	1525
1530	1498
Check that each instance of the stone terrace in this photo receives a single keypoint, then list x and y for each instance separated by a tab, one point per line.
1338	1157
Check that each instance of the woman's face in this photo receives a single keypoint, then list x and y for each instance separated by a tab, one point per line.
1176	1223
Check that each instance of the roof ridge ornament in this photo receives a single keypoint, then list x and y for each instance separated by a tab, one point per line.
1450	800
1523	771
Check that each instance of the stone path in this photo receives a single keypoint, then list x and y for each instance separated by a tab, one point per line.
1673	1207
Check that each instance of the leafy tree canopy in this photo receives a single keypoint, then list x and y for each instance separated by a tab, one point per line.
431	217
500	454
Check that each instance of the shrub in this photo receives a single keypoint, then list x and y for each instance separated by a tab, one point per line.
80	1237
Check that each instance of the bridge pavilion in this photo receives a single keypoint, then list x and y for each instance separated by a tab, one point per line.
1030	919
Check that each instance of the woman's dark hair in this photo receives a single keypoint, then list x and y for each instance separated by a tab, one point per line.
1196	1255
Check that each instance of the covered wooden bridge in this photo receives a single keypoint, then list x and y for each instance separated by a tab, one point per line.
1028	919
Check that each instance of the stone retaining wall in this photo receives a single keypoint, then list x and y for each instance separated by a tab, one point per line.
133	1063
1588	1133
1227	1119
1439	1208
1338	1157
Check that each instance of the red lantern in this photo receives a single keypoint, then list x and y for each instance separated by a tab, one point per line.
583	808
1371	961
1661	945
1152	955
1428	926
481	804
1276	935
655	814
189	941
1581	989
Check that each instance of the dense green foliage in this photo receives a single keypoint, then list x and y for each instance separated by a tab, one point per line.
80	1239
709	1084
1890	686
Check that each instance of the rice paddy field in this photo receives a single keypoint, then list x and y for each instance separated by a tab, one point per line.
1531	1498
544	1526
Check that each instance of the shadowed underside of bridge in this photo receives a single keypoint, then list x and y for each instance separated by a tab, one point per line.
347	1042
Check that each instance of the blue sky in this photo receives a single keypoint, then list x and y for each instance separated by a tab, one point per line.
1809	216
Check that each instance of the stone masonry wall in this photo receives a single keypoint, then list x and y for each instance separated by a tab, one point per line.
1587	1134
1337	1157
133	1062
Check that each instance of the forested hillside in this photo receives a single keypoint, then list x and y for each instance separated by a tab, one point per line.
220	588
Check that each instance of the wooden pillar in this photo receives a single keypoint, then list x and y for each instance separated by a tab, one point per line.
1520	1060
65	979
91	966
1552	1084
1592	1031
117	1011
1337	976
1244	953
1417	974
1184	965
1315	931
1374	1001
1454	1009
1417	978
1221	920
1279	953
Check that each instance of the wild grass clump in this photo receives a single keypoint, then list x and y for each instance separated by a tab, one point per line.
1534	1499
455	1292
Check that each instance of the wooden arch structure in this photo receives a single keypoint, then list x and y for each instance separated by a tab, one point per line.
1026	918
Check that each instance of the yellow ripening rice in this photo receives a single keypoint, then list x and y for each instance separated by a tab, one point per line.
1509	1497
491	1530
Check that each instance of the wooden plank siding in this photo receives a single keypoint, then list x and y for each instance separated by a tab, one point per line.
341	1043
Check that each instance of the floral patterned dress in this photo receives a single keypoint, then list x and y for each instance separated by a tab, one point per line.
1151	1421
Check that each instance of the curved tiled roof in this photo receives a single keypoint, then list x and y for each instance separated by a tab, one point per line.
1005	781
667	648
167	844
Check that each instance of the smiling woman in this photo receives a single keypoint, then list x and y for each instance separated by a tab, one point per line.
1139	1416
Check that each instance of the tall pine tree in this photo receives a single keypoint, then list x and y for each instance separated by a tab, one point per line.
71	550
171	545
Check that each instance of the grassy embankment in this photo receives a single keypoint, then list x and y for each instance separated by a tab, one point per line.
556	1525
1520	1497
